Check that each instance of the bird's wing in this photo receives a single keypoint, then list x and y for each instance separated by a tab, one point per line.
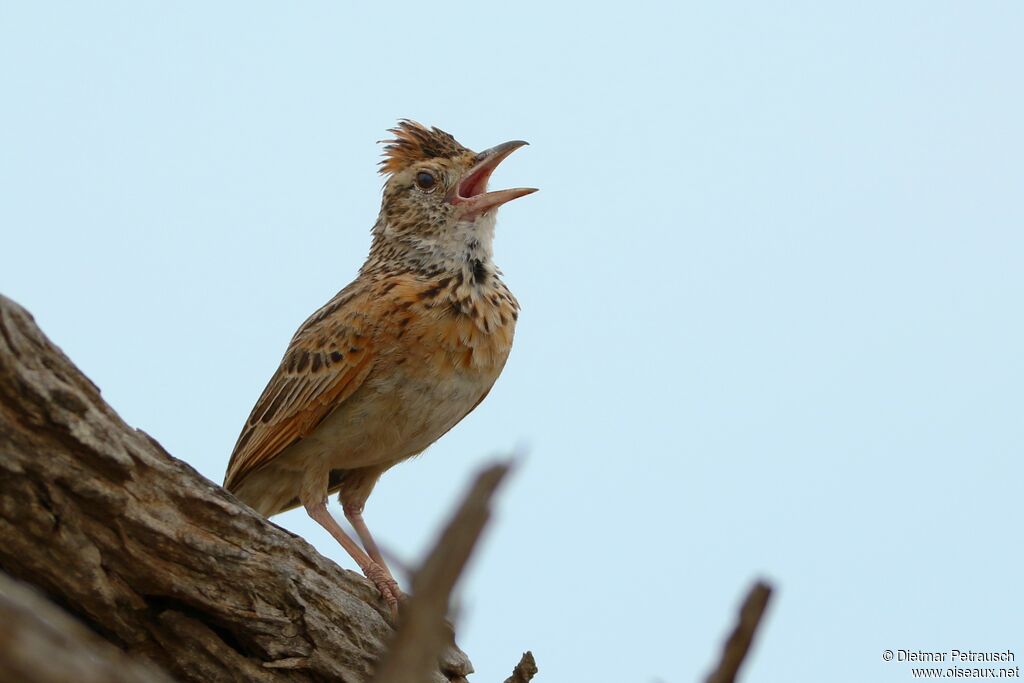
327	360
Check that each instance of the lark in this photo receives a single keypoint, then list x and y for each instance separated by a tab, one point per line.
398	357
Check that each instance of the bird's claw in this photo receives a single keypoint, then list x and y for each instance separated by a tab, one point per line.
387	586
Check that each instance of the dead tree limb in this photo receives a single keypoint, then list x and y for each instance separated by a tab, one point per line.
738	644
525	670
159	561
41	643
422	635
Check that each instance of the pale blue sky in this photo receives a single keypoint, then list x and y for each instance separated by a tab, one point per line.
771	293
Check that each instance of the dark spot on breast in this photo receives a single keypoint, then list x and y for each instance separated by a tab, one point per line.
515	314
336	356
303	362
388	287
479	272
317	362
354	349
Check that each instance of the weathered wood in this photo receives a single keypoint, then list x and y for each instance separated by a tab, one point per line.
152	556
525	670
41	643
737	645
422	635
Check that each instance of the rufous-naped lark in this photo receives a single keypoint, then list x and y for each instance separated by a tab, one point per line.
395	359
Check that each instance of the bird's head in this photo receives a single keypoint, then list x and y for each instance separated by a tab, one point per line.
435	200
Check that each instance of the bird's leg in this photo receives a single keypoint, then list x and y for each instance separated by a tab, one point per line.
356	486
354	515
375	572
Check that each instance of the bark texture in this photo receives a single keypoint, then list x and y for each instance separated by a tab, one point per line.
153	557
41	643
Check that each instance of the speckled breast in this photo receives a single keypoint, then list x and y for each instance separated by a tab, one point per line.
438	357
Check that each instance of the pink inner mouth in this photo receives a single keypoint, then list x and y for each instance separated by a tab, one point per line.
475	183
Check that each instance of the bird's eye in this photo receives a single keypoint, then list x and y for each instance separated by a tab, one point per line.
425	181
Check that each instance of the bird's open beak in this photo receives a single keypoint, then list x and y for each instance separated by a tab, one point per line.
470	194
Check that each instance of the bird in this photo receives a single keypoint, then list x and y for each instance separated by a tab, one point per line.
395	359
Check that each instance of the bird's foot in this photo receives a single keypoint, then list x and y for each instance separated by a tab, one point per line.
387	586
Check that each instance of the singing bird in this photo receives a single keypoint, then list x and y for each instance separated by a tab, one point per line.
396	358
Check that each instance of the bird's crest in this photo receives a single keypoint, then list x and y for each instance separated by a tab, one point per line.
415	142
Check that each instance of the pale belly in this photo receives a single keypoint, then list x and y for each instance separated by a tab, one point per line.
380	425
396	418
388	420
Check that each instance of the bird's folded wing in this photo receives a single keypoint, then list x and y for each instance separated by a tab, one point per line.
327	360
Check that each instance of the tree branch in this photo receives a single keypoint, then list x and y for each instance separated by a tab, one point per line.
158	560
421	637
41	643
739	641
525	670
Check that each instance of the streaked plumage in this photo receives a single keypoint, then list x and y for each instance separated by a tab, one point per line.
396	358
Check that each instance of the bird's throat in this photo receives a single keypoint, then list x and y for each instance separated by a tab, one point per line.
462	248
